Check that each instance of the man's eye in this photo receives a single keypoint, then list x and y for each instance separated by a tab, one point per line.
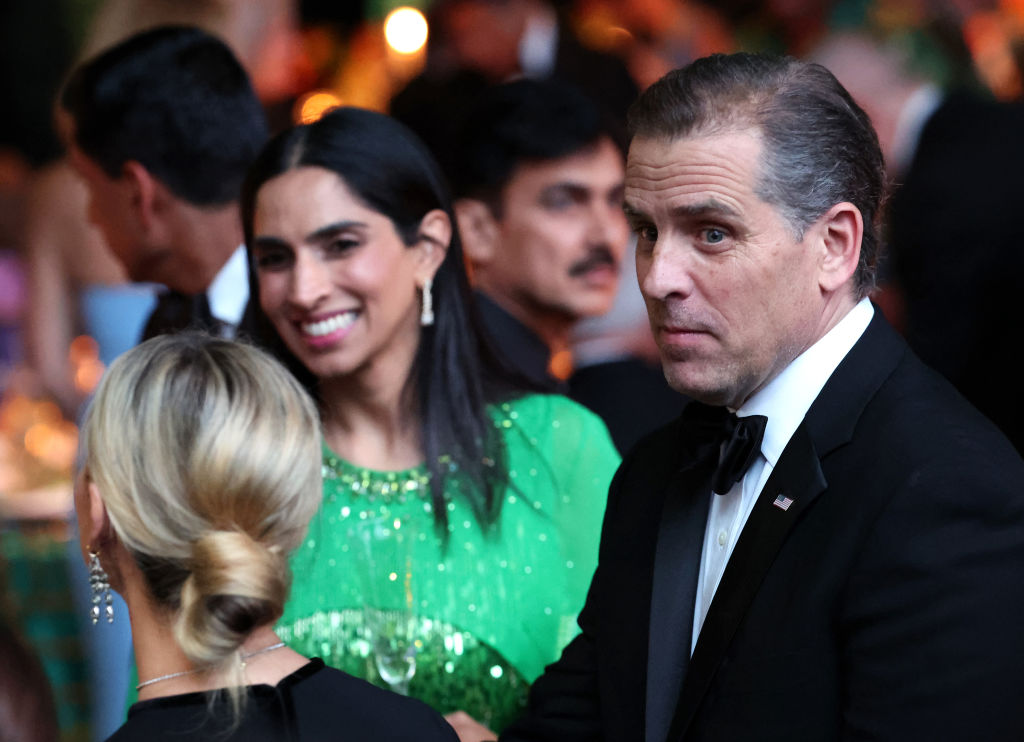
557	201
714	236
339	246
646	233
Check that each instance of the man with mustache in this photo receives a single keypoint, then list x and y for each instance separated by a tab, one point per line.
539	181
829	542
539	175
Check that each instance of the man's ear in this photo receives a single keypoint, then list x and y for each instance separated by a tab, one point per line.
145	193
435	235
478	228
841	232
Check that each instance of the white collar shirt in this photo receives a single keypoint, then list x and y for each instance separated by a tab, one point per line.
784	401
229	292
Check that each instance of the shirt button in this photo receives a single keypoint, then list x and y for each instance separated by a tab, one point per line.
722	538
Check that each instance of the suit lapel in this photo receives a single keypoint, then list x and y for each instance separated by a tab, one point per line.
798	477
674	588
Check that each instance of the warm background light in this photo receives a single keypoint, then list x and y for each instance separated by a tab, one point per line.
405	30
312	106
86	366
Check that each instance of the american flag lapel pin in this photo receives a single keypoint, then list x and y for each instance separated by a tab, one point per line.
782	502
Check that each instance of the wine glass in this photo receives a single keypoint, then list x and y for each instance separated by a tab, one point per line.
385	558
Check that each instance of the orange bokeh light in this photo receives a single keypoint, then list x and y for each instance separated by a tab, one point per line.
312	106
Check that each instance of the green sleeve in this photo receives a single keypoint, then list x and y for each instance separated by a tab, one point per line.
574	445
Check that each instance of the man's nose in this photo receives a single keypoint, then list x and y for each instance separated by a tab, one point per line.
608	226
664	270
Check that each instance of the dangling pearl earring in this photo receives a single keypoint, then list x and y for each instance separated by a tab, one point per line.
427	312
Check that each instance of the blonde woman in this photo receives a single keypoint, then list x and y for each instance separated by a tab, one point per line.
201	472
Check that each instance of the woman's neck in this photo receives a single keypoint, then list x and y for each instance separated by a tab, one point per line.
164	670
372	422
157	653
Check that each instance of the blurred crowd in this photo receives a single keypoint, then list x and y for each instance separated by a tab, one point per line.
942	80
902	60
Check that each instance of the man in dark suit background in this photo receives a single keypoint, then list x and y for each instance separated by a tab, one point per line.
842	557
954	232
957	238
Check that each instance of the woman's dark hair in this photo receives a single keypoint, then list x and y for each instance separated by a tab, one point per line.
454	374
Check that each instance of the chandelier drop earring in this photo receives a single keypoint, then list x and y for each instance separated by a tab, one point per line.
99	583
427	313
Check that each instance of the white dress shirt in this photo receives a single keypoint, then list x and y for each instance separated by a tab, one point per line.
784	401
229	292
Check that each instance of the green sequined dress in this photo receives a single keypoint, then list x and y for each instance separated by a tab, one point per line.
492	609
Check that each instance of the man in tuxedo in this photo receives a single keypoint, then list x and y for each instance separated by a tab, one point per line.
829	543
162	128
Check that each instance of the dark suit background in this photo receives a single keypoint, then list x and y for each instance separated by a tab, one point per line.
957	245
885	603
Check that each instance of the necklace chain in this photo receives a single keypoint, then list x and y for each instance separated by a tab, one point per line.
194	670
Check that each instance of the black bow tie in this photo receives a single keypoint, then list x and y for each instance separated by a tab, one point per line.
734	441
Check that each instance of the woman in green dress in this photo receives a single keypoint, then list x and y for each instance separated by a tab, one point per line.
489	498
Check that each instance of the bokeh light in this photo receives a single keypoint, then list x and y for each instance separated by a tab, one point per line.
312	106
86	367
405	30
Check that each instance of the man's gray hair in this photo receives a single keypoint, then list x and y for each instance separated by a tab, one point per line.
819	146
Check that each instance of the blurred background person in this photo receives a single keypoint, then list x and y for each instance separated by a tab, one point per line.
952	156
477	43
201	472
163	127
955	243
76	286
653	36
359	274
160	127
539	186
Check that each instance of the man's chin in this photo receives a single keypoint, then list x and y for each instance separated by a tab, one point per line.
597	305
686	378
156	269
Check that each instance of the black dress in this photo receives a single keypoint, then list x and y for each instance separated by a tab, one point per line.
313	703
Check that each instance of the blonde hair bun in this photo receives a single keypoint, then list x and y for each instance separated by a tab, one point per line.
236	585
206	453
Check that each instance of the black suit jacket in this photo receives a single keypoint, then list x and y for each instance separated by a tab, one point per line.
885	603
957	247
